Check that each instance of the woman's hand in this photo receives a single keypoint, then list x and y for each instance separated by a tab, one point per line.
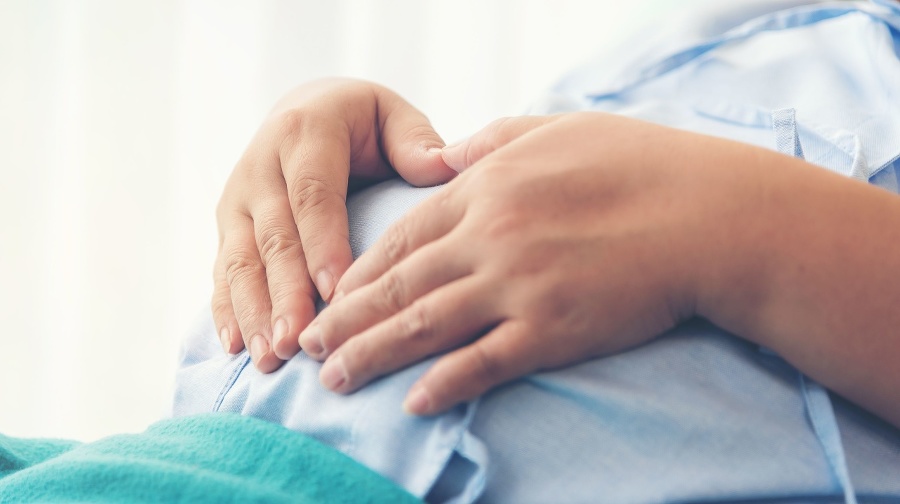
572	237
568	238
282	219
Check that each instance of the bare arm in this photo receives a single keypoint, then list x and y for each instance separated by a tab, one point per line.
571	237
817	280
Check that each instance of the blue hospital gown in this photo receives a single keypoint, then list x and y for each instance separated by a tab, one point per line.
696	415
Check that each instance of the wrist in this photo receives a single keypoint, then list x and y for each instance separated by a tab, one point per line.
750	237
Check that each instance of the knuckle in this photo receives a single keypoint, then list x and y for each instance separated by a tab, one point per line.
289	127
503	225
487	365
241	266
393	292
290	122
500	221
415	323
275	242
309	194
443	199
395	244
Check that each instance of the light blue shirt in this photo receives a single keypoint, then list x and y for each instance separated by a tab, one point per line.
696	415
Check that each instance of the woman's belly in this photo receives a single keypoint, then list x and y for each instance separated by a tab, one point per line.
696	415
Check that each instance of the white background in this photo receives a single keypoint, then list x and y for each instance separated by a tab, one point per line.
120	121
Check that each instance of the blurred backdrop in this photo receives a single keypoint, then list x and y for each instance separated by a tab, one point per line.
120	121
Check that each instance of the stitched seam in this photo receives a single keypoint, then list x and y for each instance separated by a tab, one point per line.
229	383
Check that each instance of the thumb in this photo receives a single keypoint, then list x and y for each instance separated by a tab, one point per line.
409	142
498	133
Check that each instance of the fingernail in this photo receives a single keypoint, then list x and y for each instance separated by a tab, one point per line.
325	284
417	401
451	154
434	150
311	341
333	374
279	332
258	347
225	338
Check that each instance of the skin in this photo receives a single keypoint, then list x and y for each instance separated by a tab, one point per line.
571	237
283	235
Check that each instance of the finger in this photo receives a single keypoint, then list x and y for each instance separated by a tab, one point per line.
315	163
246	277
409	142
425	270
223	314
493	136
443	319
462	375
316	158
291	290
432	219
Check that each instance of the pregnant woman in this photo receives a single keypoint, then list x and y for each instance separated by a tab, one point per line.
686	291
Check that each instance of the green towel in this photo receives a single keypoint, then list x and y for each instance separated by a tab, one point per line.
207	458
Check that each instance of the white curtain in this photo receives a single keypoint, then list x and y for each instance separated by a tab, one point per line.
120	121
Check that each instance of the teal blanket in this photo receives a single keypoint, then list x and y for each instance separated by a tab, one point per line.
207	458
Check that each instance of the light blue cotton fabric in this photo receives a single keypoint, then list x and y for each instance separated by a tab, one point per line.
698	414
816	398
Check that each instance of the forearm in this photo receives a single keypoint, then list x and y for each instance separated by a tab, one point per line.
817	281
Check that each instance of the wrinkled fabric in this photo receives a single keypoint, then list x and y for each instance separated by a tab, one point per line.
696	415
204	459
